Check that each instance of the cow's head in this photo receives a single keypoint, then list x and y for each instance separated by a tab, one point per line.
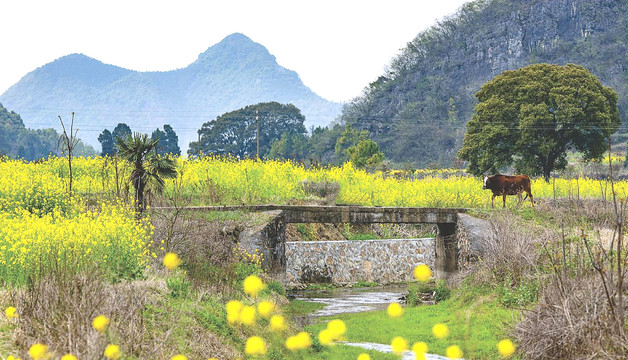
486	182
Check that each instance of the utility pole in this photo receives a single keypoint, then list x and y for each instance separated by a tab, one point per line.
199	144
257	118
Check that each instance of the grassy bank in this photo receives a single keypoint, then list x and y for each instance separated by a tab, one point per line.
475	317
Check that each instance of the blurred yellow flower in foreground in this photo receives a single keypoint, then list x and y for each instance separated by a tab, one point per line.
364	357
38	351
453	352
265	309
420	349
325	337
234	307
506	348
255	345
394	310
100	323
253	285
179	357
69	357
337	328
422	273
440	331
299	341
277	323
11	312
399	345
171	261
247	315
112	352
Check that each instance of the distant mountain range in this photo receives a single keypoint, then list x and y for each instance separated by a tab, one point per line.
230	75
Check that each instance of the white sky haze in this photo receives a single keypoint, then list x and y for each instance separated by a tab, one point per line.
337	47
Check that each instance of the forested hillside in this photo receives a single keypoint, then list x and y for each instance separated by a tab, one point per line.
229	75
417	110
16	141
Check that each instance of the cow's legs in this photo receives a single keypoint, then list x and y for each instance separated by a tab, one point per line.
531	198
520	199
493	201
504	200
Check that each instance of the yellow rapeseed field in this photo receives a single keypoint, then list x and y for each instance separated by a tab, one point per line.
40	225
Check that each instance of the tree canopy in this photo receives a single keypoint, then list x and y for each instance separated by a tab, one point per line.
235	132
168	141
530	117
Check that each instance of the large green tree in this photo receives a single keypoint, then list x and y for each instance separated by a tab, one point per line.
530	117
235	132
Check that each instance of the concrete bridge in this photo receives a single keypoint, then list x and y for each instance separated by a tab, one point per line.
271	241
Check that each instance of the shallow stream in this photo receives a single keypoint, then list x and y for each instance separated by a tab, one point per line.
344	301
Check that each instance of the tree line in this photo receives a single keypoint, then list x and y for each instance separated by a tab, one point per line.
282	135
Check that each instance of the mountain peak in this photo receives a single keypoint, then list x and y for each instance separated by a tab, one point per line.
236	46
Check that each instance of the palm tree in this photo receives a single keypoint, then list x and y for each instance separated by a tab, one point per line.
148	167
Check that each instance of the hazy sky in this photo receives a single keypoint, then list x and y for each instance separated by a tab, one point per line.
336	46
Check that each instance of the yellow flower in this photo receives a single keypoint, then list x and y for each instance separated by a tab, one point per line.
364	357
506	348
255	345
11	357
422	273
171	261
265	309
304	339
277	323
399	345
253	285
68	357
299	341
179	357
440	331
247	315
112	352
38	351
420	349
337	328
325	337
11	312
100	323
394	310
453	352
234	307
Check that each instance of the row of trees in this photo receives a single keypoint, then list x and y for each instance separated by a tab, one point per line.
166	140
282	134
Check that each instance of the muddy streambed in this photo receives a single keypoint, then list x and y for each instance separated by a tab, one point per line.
344	301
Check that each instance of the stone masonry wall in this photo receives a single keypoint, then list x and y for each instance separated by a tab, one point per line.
347	262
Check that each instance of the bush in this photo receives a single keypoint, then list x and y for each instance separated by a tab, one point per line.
178	285
442	292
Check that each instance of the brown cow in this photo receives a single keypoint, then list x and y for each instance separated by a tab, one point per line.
508	185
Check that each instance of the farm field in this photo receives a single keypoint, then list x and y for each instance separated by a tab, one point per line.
65	259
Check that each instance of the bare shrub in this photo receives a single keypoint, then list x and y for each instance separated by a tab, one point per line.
327	190
403	231
58	311
510	250
571	324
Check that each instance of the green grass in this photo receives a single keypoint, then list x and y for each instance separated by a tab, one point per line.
301	308
365	284
475	317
